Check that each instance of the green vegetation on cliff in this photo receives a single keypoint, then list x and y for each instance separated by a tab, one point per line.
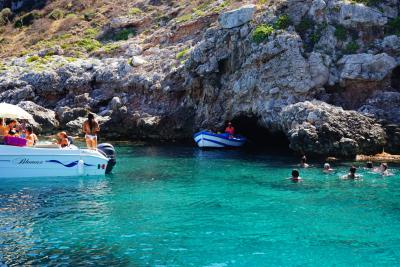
261	32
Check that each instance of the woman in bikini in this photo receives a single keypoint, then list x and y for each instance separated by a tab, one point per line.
91	128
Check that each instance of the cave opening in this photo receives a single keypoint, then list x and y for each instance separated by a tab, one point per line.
259	137
395	80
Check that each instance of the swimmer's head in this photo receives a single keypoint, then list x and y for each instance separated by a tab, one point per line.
369	165
295	173
384	166
353	170
327	166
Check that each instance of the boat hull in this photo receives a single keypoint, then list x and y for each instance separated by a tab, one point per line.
211	140
50	162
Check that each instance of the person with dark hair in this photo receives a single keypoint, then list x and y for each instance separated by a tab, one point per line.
369	165
352	174
31	138
91	128
230	130
11	124
383	169
295	176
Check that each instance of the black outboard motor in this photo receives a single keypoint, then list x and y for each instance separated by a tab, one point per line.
108	151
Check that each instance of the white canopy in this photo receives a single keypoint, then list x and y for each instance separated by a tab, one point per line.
14	112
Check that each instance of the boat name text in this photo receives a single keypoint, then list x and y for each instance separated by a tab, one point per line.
27	161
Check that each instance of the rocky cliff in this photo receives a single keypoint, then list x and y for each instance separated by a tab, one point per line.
324	73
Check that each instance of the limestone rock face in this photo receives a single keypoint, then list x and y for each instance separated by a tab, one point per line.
391	45
44	117
319	128
365	67
359	14
383	105
237	17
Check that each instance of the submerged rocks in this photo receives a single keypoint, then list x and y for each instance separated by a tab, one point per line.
319	128
237	17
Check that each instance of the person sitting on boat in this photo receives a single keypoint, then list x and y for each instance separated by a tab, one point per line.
295	176
303	162
31	138
91	128
327	168
230	130
3	129
21	129
11	124
62	139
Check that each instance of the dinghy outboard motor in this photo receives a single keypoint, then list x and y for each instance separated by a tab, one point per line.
109	151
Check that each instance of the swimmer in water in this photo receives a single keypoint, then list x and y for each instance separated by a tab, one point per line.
295	176
303	162
352	174
369	165
327	168
383	169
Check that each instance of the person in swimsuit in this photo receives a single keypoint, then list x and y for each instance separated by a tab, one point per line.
11	124
91	128
62	139
31	138
352	174
3	129
327	168
303	162
295	176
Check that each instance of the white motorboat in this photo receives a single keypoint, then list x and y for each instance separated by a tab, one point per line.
54	161
208	139
49	160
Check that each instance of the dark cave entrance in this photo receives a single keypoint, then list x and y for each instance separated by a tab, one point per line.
259	137
395	80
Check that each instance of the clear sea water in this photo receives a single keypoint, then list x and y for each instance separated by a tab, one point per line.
180	206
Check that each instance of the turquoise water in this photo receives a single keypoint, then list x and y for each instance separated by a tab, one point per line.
179	206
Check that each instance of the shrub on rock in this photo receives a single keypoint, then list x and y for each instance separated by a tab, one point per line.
261	32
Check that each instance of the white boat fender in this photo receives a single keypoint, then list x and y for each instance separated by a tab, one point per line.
81	166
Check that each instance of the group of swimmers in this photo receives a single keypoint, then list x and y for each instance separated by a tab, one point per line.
382	169
12	128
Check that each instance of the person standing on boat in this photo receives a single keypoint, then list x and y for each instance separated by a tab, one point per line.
91	128
230	130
